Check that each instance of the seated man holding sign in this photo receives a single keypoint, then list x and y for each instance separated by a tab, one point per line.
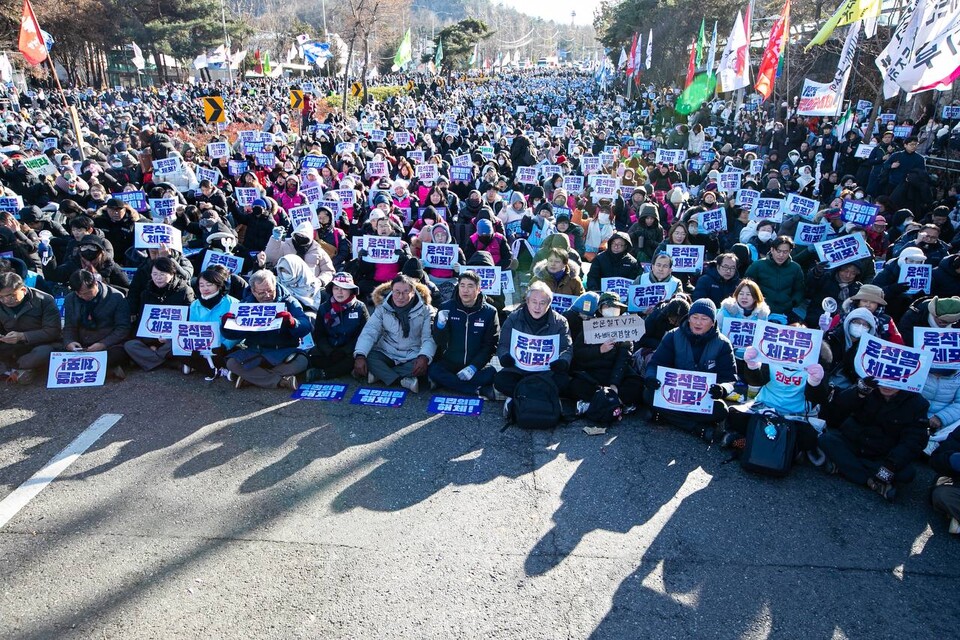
695	347
269	357
96	317
29	329
534	339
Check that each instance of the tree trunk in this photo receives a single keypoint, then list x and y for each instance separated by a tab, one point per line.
346	74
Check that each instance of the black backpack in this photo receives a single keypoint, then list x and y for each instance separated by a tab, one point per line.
605	407
766	455
536	403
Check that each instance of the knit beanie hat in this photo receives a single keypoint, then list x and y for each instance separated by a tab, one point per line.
704	306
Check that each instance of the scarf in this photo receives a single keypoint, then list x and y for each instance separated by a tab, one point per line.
332	317
87	307
403	314
212	302
536	323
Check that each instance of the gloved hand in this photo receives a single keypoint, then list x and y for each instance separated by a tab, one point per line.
277	233
824	321
507	360
420	366
288	319
815	374
227	316
884	475
398	252
559	366
752	357
652	383
442	317
363	253
466	374
900	288
717	392
865	386
360	367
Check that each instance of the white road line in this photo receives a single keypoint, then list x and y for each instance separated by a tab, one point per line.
26	492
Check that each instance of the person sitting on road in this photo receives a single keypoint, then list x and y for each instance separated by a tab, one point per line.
466	331
213	301
534	317
269	359
946	491
696	345
29	329
396	344
338	325
167	287
96	317
874	435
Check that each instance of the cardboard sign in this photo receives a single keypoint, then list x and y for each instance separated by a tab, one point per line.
438	256
256	316
642	297
756	167
490	279
686	391
427	172
162	208
740	331
687	258
917	276
218	150
157	320
369	397
624	328
77	369
944	344
842	250
233	263
323	392
527	175
712	221
729	181
808	234
202	337
796	205
455	406
767	209
534	353
859	212
149	235
40	166
893	365
790	346
380	249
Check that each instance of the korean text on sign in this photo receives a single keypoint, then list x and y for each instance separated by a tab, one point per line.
686	391
202	337
157	320
323	392
68	369
917	277
783	345
642	297
893	365
256	317
687	258
740	331
453	405
534	353
842	250
944	344
156	236
439	256
378	397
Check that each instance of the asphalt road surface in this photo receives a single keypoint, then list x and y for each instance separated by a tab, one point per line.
207	512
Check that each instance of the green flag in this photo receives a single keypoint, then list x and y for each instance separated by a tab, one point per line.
438	56
404	52
696	94
701	43
266	63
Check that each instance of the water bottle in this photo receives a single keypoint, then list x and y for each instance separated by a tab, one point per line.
770	431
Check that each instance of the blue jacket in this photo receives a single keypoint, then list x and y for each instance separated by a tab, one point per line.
199	313
709	353
343	328
275	346
469	336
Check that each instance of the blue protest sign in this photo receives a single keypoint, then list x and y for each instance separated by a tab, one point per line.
455	406
324	392
370	397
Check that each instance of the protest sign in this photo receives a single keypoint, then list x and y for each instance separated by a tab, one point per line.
201	337
256	316
527	175
944	344
149	235
714	220
49	143
589	164
767	209
378	135
624	328
686	391
756	167
441	212
784	345
416	157
325	392
313	196
370	397
301	214
620	286
345	147
464	160
461	174
842	250
808	234
427	172
380	249
864	150
729	181
573	185
746	197
687	258
166	165
550	170
951	112
893	365
213	175
266	159
534	353
642	297
902	131
799	206
347	197
740	331
489	279
136	199
438	256
157	320
917	277
77	369
12	204
311	161
236	167
671	156
40	166
562	302
233	263
455	406
218	150
246	195
162	208
506	282
859	212
377	169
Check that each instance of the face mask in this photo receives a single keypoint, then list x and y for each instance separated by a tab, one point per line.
604	218
116	165
89	254
858	195
211	296
765	236
694	230
857	330
610	312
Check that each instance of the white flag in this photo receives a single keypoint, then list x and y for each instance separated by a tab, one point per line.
638	55
6	69
712	55
649	49
910	58
200	62
622	64
138	60
733	73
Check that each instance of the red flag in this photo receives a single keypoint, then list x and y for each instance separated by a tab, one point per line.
32	47
692	65
630	59
258	63
771	55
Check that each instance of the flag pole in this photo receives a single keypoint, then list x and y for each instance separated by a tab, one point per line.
74	116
